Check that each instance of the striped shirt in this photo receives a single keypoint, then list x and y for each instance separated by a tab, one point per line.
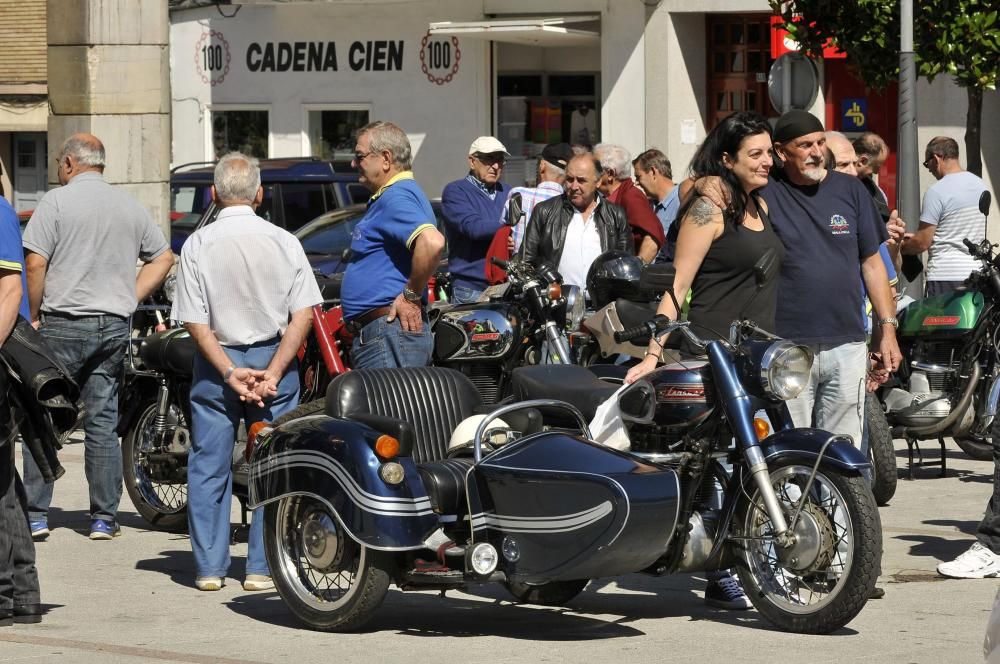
530	196
244	277
952	204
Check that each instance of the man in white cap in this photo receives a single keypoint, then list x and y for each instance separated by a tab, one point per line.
471	207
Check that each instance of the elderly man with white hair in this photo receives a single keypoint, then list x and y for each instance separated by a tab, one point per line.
246	366
616	184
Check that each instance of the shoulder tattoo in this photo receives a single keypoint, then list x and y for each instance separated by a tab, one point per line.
702	212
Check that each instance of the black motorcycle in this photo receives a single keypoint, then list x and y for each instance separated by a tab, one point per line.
519	322
949	382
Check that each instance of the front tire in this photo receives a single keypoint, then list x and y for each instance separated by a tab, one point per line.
825	579
328	581
977	447
881	451
554	593
163	504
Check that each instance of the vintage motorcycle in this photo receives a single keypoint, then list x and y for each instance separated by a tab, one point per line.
949	382
519	322
361	491
155	411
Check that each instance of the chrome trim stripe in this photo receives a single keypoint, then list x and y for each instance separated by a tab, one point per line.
543	524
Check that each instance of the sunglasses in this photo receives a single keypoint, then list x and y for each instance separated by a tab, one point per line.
929	161
490	159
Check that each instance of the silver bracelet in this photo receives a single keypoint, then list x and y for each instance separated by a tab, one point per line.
229	372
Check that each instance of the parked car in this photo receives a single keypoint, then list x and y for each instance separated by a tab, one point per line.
295	191
326	237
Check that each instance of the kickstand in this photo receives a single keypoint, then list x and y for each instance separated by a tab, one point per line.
944	457
236	533
912	444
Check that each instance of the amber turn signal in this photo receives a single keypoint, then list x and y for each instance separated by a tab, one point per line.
387	447
555	291
252	434
762	428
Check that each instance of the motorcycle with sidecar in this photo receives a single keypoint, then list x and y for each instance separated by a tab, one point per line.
367	489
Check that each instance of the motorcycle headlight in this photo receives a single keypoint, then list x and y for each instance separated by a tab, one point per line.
170	287
576	306
784	370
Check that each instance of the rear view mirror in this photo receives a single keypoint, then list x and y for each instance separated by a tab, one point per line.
984	203
765	267
638	402
514	210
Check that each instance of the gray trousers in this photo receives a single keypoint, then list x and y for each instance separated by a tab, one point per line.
834	399
18	575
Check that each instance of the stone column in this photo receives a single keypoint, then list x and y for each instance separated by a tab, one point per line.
109	75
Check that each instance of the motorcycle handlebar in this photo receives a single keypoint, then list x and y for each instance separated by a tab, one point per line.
502	264
634	332
973	249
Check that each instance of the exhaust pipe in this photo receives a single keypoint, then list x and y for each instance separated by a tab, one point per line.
956	412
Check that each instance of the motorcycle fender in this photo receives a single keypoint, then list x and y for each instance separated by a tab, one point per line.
332	460
992	402
805	445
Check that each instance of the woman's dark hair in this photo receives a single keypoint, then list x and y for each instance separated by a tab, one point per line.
725	138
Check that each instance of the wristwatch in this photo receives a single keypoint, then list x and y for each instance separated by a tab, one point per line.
891	320
412	297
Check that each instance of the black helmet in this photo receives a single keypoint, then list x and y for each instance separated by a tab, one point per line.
612	275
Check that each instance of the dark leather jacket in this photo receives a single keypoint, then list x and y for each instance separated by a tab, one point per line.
546	230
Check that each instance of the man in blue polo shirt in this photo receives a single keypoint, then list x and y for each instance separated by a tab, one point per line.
394	250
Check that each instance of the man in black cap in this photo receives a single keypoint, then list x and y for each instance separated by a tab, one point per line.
522	200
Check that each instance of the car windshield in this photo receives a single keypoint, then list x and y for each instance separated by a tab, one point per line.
330	235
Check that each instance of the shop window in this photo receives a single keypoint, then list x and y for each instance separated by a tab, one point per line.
331	132
571	86
527	85
244	131
737	53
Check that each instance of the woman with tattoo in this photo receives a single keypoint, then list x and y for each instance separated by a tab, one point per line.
715	256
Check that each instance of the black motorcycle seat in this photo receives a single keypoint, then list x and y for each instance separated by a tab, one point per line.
171	351
433	399
445	484
566	382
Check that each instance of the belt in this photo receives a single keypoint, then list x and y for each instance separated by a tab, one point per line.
355	324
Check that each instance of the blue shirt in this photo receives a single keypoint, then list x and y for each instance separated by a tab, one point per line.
827	229
11	253
381	245
470	222
666	212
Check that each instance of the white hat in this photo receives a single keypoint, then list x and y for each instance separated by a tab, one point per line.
466	431
487	145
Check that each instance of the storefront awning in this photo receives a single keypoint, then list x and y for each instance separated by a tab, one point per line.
549	31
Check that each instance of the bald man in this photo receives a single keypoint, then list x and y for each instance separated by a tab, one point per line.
81	248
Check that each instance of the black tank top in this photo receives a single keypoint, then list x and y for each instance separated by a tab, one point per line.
725	282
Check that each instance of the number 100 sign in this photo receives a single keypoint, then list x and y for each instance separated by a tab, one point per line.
439	59
212	57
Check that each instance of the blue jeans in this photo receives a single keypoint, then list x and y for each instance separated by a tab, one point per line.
93	350
382	345
465	294
216	412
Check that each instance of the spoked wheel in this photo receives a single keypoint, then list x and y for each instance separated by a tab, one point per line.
881	451
555	593
823	580
162	501
329	581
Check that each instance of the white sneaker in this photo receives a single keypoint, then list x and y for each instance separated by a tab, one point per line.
976	563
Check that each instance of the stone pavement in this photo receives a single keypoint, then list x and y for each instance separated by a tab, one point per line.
132	600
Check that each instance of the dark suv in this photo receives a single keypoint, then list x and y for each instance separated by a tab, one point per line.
296	190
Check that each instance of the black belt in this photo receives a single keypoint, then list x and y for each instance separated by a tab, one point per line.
355	324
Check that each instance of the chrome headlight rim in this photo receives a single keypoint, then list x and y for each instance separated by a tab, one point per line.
170	287
576	306
773	361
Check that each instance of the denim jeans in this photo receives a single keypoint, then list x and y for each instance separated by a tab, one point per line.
382	345
93	350
834	397
18	574
465	294
216	412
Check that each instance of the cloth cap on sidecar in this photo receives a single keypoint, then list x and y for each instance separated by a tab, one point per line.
465	432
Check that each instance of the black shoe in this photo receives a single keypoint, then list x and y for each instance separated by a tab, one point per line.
877	593
28	613
6	617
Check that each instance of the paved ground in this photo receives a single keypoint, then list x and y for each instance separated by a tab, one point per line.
132	600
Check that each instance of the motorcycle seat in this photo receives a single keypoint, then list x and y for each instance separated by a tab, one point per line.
573	384
445	484
169	351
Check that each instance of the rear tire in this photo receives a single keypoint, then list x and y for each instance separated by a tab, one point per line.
163	505
977	447
302	410
881	451
554	593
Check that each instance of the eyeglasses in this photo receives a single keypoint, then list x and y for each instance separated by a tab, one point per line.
490	159
929	161
361	156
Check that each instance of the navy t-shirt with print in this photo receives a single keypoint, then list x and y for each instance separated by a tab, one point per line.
827	229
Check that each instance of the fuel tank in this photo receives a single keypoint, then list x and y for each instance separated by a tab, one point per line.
474	332
684	397
953	313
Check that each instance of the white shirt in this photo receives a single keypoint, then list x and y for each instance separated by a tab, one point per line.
581	247
243	276
952	204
